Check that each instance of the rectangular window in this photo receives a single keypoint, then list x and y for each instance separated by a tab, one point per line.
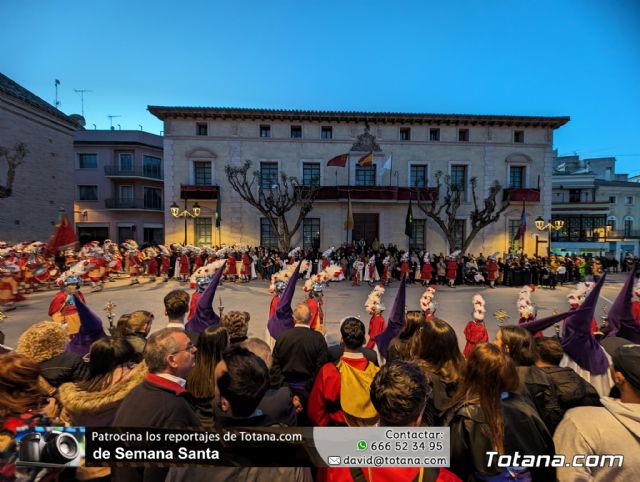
311	233
628	200
459	177
203	231
514	245
202	129
87	193
125	193
575	195
152	167
153	235
405	133
418	176
463	135
416	241
326	132
516	177
611	222
296	132
434	134
202	173
311	174
125	233
612	199
152	198
126	161
459	231
268	238
628	226
265	131
87	161
518	136
365	175
268	174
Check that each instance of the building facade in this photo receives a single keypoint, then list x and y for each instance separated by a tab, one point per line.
200	142
600	208
118	186
33	191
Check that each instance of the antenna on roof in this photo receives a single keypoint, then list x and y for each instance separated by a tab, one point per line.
111	117
81	92
57	104
140	126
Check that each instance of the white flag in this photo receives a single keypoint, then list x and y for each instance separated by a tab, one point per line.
387	164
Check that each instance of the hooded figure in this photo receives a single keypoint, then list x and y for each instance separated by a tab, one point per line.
204	315
396	320
582	351
90	329
282	319
620	317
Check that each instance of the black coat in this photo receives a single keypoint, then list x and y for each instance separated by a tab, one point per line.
524	432
298	355
573	390
63	368
536	384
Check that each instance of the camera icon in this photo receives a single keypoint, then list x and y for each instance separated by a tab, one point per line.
51	449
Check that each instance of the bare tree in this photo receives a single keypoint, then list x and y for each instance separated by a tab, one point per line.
14	157
283	194
442	203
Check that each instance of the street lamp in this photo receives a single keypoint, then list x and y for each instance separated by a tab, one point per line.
555	225
174	209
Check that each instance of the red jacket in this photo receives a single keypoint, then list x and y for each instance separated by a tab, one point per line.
474	333
376	326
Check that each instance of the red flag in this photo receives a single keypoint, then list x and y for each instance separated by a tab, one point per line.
338	161
366	160
63	236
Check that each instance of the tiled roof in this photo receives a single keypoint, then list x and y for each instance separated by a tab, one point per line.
164	112
15	90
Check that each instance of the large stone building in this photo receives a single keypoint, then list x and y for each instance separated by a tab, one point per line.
199	142
33	192
118	186
600	209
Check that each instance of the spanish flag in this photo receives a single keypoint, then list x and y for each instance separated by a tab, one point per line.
366	160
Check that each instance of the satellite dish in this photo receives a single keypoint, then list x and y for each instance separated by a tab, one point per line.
78	120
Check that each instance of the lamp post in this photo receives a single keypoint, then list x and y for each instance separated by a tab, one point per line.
186	214
556	225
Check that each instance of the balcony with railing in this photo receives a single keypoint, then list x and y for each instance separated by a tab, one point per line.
143	172
521	194
375	193
133	204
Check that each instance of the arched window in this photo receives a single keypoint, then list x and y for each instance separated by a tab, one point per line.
611	222
628	226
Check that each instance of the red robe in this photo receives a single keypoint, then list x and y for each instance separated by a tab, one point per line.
246	264
317	316
376	326
164	268
326	393
192	305
452	269
404	268
152	267
635	309
325	263
492	270
385	272
63	310
274	304
231	266
199	262
427	272
474	333
185	266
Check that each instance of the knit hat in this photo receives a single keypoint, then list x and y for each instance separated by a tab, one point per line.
204	315
91	329
620	318
578	343
42	341
282	319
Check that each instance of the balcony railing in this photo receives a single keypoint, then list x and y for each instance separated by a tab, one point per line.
149	172
137	204
521	194
597	237
199	191
375	193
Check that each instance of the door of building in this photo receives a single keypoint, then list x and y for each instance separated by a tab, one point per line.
365	225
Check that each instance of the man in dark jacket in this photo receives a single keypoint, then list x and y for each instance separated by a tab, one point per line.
572	390
297	356
159	401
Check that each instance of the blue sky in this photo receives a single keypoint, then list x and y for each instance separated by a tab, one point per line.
576	58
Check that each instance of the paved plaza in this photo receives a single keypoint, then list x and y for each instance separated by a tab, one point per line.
341	299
